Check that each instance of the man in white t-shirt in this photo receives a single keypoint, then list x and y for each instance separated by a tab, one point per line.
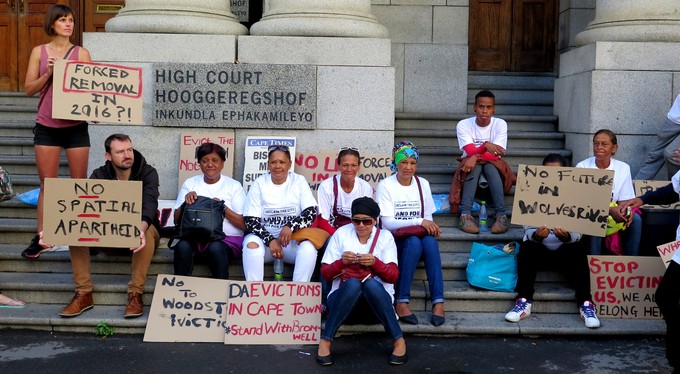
667	147
482	138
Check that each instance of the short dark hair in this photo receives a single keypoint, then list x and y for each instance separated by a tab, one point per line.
112	137
208	148
485	93
556	157
608	132
55	12
348	152
279	147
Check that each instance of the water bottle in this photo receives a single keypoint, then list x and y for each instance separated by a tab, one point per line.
278	269
483	218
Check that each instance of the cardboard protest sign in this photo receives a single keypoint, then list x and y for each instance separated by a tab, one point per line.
256	154
572	198
187	309
624	286
190	141
273	313
92	212
91	91
667	251
319	166
643	186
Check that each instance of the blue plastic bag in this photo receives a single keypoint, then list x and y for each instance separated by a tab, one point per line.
493	267
30	197
441	203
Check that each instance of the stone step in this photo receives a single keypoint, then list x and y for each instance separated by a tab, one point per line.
25	164
16	209
45	317
17	112
448	121
517	140
15	145
24	182
518	96
17	128
18	98
482	80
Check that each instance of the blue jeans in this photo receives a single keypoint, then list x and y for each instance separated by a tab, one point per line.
630	239
216	254
411	249
492	175
344	299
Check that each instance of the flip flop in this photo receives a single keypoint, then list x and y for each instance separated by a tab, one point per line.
12	303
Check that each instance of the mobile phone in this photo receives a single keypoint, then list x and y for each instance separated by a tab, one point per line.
628	211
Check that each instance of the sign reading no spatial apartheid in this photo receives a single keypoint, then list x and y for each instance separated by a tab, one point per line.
235	95
319	166
273	313
190	141
91	91
644	186
575	199
256	155
667	251
187	309
92	212
624	286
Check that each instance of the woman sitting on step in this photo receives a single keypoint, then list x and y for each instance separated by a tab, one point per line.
406	204
361	261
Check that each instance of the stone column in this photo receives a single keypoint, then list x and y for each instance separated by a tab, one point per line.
344	18
633	21
176	17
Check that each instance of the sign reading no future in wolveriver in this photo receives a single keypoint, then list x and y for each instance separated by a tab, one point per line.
235	95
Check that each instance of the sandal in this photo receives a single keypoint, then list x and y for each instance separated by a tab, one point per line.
8	302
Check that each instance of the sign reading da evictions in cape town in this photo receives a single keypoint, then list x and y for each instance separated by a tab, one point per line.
92	212
235	95
572	198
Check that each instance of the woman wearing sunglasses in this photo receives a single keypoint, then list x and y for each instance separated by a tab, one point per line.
405	202
278	204
361	261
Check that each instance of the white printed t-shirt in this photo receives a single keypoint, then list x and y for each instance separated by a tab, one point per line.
327	198
226	189
622	189
278	204
400	205
468	132
346	239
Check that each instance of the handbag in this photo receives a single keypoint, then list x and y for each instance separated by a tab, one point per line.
202	221
315	235
415	230
492	268
359	271
6	188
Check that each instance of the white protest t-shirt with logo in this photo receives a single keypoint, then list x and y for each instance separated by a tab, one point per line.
622	189
400	205
676	187
278	204
226	189
327	198
468	132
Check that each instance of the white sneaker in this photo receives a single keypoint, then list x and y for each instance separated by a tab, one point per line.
521	310
588	315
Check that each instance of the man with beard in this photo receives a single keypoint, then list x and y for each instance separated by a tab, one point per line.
125	164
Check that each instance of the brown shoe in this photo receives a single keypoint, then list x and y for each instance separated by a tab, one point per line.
135	305
81	302
501	225
467	224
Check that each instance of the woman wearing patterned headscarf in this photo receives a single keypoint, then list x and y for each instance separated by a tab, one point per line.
405	201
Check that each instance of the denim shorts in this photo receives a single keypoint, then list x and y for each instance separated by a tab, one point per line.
66	137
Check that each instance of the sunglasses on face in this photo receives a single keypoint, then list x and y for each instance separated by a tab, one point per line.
362	221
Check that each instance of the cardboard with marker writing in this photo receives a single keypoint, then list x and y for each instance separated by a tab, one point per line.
187	309
189	141
273	313
644	186
92	91
666	251
624	286
575	199
92	212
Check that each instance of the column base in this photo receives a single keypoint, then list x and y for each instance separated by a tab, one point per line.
319	25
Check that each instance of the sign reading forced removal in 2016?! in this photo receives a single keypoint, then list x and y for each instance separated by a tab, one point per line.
187	309
235	95
624	286
572	198
92	212
90	91
273	313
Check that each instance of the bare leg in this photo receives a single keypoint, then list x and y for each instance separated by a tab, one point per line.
47	162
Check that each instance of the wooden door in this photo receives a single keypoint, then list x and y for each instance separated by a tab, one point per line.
97	12
512	35
22	29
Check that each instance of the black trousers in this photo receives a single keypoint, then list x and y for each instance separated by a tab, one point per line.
668	299
571	259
